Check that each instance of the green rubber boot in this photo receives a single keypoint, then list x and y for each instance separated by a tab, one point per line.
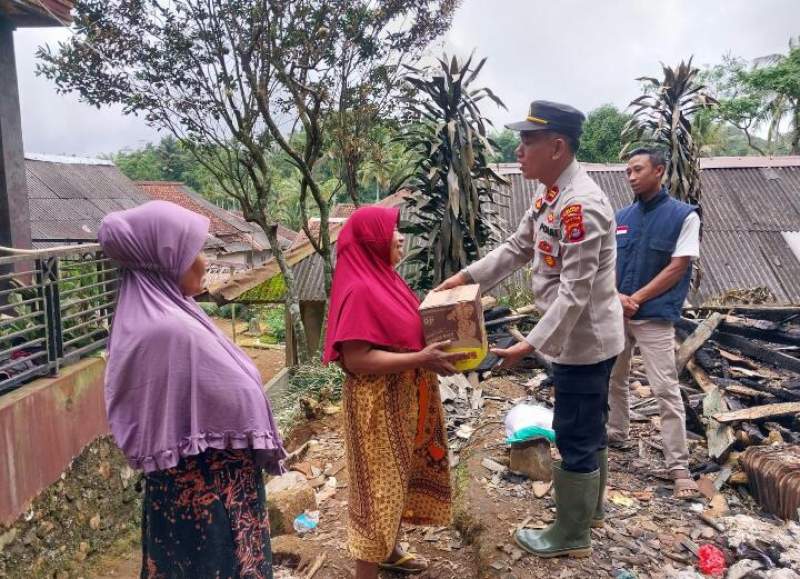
570	534
598	520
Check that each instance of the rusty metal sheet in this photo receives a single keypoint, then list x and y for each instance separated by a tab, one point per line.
773	475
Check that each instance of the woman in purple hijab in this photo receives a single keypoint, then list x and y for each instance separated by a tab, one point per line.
185	404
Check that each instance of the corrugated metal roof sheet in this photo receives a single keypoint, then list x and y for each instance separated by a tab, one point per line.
69	197
746	207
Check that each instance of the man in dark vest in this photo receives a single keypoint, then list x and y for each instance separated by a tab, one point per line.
657	238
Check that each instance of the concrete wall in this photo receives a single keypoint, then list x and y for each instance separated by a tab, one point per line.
45	425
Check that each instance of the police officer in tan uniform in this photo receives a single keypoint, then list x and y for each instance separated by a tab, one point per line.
569	234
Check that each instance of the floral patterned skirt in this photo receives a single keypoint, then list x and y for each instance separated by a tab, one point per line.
205	518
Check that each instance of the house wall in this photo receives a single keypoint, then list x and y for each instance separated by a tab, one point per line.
43	426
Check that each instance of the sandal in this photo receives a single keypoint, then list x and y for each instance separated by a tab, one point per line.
405	564
686	489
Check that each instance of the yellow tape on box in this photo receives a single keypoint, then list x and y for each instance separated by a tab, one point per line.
456	316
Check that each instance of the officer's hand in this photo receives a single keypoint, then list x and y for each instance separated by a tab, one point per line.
511	356
629	305
451	282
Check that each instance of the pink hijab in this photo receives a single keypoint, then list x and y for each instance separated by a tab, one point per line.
369	299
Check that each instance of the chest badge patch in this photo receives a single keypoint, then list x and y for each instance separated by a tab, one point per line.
622	229
551	217
572	221
550	260
545	247
538	204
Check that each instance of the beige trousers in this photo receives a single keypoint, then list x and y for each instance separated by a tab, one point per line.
656	341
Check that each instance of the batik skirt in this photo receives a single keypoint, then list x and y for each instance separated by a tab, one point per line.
397	459
206	518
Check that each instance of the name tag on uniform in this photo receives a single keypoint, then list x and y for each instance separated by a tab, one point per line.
622	229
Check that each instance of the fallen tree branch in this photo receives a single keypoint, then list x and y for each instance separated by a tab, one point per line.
316	566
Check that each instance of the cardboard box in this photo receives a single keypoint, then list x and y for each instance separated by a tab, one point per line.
457	315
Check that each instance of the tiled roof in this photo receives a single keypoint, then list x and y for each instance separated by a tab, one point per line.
176	192
238	234
301	250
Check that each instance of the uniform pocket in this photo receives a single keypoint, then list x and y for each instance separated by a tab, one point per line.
664	245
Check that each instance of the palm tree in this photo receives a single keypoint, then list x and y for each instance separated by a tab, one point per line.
663	117
453	180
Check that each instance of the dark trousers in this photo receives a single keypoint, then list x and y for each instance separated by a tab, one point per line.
581	413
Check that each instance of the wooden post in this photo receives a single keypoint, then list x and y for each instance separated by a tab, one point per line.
15	228
233	320
291	344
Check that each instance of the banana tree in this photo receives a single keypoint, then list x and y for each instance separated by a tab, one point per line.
451	210
663	117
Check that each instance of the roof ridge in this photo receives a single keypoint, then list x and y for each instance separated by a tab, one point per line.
747	162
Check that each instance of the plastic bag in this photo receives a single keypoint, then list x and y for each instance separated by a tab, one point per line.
712	561
529	421
306	522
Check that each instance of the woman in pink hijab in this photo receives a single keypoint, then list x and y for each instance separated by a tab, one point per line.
185	405
394	431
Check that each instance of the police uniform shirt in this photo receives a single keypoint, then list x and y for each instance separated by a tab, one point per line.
569	233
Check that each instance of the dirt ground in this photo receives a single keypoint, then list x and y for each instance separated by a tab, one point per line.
449	556
447	553
269	361
644	526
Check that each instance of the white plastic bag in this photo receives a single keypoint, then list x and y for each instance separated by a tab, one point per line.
525	421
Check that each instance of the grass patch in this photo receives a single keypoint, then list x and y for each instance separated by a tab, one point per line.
312	380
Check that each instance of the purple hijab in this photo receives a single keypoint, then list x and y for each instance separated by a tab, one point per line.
175	384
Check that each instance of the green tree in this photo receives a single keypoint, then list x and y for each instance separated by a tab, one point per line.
663	117
169	160
601	141
231	80
386	165
505	144
453	180
764	94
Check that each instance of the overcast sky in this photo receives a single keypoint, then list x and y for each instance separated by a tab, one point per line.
583	52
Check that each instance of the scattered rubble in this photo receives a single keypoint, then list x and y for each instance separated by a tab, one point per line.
91	507
288	495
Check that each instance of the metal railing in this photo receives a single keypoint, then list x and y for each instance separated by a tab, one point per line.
55	308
